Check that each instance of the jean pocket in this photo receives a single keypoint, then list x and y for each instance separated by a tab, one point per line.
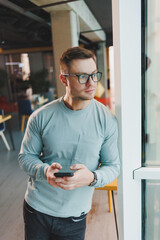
28	208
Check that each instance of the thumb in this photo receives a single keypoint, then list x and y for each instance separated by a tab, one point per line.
56	165
77	166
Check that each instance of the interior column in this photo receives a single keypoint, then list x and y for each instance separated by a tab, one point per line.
64	35
102	65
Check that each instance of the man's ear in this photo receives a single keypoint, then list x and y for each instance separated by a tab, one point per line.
63	80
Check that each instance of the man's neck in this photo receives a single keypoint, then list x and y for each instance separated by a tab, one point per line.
75	103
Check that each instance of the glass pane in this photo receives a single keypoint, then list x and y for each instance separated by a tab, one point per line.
152	83
152	210
151	116
18	69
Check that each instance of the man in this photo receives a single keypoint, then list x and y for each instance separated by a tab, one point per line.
74	133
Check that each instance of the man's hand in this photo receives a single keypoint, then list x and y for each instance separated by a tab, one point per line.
54	168
82	177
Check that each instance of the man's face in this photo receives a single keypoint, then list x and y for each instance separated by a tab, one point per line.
77	90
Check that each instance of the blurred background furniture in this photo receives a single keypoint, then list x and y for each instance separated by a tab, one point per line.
38	101
48	95
24	111
7	106
3	128
111	187
105	101
41	101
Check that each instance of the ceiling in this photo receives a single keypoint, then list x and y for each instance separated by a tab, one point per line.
25	29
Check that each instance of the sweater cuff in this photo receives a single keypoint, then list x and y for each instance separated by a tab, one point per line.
45	170
41	172
99	177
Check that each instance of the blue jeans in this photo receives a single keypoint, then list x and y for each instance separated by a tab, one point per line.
40	226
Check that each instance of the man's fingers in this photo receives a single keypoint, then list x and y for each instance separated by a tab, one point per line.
56	165
51	173
65	180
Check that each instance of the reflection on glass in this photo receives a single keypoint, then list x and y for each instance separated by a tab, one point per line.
151	116
152	84
152	211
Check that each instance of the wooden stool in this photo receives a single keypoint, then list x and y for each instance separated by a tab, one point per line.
111	187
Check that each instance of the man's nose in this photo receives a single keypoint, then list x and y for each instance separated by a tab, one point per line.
90	81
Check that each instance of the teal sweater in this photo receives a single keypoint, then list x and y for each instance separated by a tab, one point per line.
56	133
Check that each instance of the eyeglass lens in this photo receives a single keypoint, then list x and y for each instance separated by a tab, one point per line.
95	77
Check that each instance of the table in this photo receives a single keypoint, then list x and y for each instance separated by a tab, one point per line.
4	118
43	101
38	104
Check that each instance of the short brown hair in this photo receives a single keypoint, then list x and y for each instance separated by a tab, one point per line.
75	53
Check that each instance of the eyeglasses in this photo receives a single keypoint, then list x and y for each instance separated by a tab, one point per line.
84	78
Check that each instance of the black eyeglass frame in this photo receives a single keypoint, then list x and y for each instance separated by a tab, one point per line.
89	75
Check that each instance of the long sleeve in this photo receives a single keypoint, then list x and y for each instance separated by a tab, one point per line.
56	133
109	155
31	148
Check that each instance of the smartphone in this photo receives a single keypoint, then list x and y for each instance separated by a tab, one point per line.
64	174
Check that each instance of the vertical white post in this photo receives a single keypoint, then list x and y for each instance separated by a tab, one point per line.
127	63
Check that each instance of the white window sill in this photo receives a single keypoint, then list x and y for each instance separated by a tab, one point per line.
147	173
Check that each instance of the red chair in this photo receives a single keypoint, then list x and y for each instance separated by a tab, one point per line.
7	106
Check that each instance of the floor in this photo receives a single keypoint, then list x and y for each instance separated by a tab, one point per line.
100	223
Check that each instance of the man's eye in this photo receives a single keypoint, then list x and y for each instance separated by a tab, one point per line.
83	76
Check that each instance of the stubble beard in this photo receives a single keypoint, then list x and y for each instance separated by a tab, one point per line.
85	98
